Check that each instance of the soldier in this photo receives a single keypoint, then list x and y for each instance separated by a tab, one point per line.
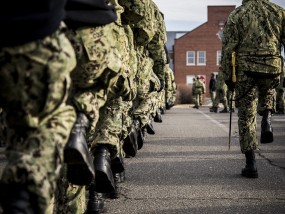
170	86
34	84
254	33
198	90
102	81
212	88
149	38
221	96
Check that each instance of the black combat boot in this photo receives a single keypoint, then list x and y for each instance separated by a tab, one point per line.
80	168
117	164
149	128
225	110
266	128
104	181
16	199
157	118
140	133
214	109
116	193
118	167
96	201
130	145
250	170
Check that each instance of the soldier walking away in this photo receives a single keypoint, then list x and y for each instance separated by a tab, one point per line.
255	33
221	95
198	91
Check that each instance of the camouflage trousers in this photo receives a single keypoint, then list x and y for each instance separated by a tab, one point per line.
252	96
221	97
198	98
34	84
110	125
280	100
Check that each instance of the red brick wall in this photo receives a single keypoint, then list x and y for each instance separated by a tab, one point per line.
203	38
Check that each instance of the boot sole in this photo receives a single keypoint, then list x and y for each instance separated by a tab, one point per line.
266	137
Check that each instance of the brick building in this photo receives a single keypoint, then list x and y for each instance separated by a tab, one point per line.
198	52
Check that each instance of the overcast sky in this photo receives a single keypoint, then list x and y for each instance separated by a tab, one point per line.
185	15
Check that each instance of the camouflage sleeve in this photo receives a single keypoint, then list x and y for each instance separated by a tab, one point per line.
139	14
156	46
229	43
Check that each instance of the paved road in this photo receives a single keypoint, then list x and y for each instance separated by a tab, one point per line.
186	167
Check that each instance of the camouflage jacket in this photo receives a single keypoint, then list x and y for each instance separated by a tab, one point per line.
256	32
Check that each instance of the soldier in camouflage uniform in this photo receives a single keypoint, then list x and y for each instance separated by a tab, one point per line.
142	17
255	32
35	62
199	90
221	95
101	81
170	87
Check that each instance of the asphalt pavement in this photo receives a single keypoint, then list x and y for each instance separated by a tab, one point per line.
187	167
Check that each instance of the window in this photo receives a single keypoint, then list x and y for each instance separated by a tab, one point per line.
201	57
219	56
189	79
190	58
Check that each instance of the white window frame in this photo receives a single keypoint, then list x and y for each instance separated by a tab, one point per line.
187	58
198	58
219	57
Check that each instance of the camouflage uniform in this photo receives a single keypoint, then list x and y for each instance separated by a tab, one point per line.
258	60
109	128
221	93
199	90
38	118
280	99
99	64
140	17
154	51
170	87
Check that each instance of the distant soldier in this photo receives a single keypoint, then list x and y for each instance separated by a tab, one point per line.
253	37
212	88
221	96
198	91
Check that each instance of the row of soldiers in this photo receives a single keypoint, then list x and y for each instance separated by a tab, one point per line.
79	88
